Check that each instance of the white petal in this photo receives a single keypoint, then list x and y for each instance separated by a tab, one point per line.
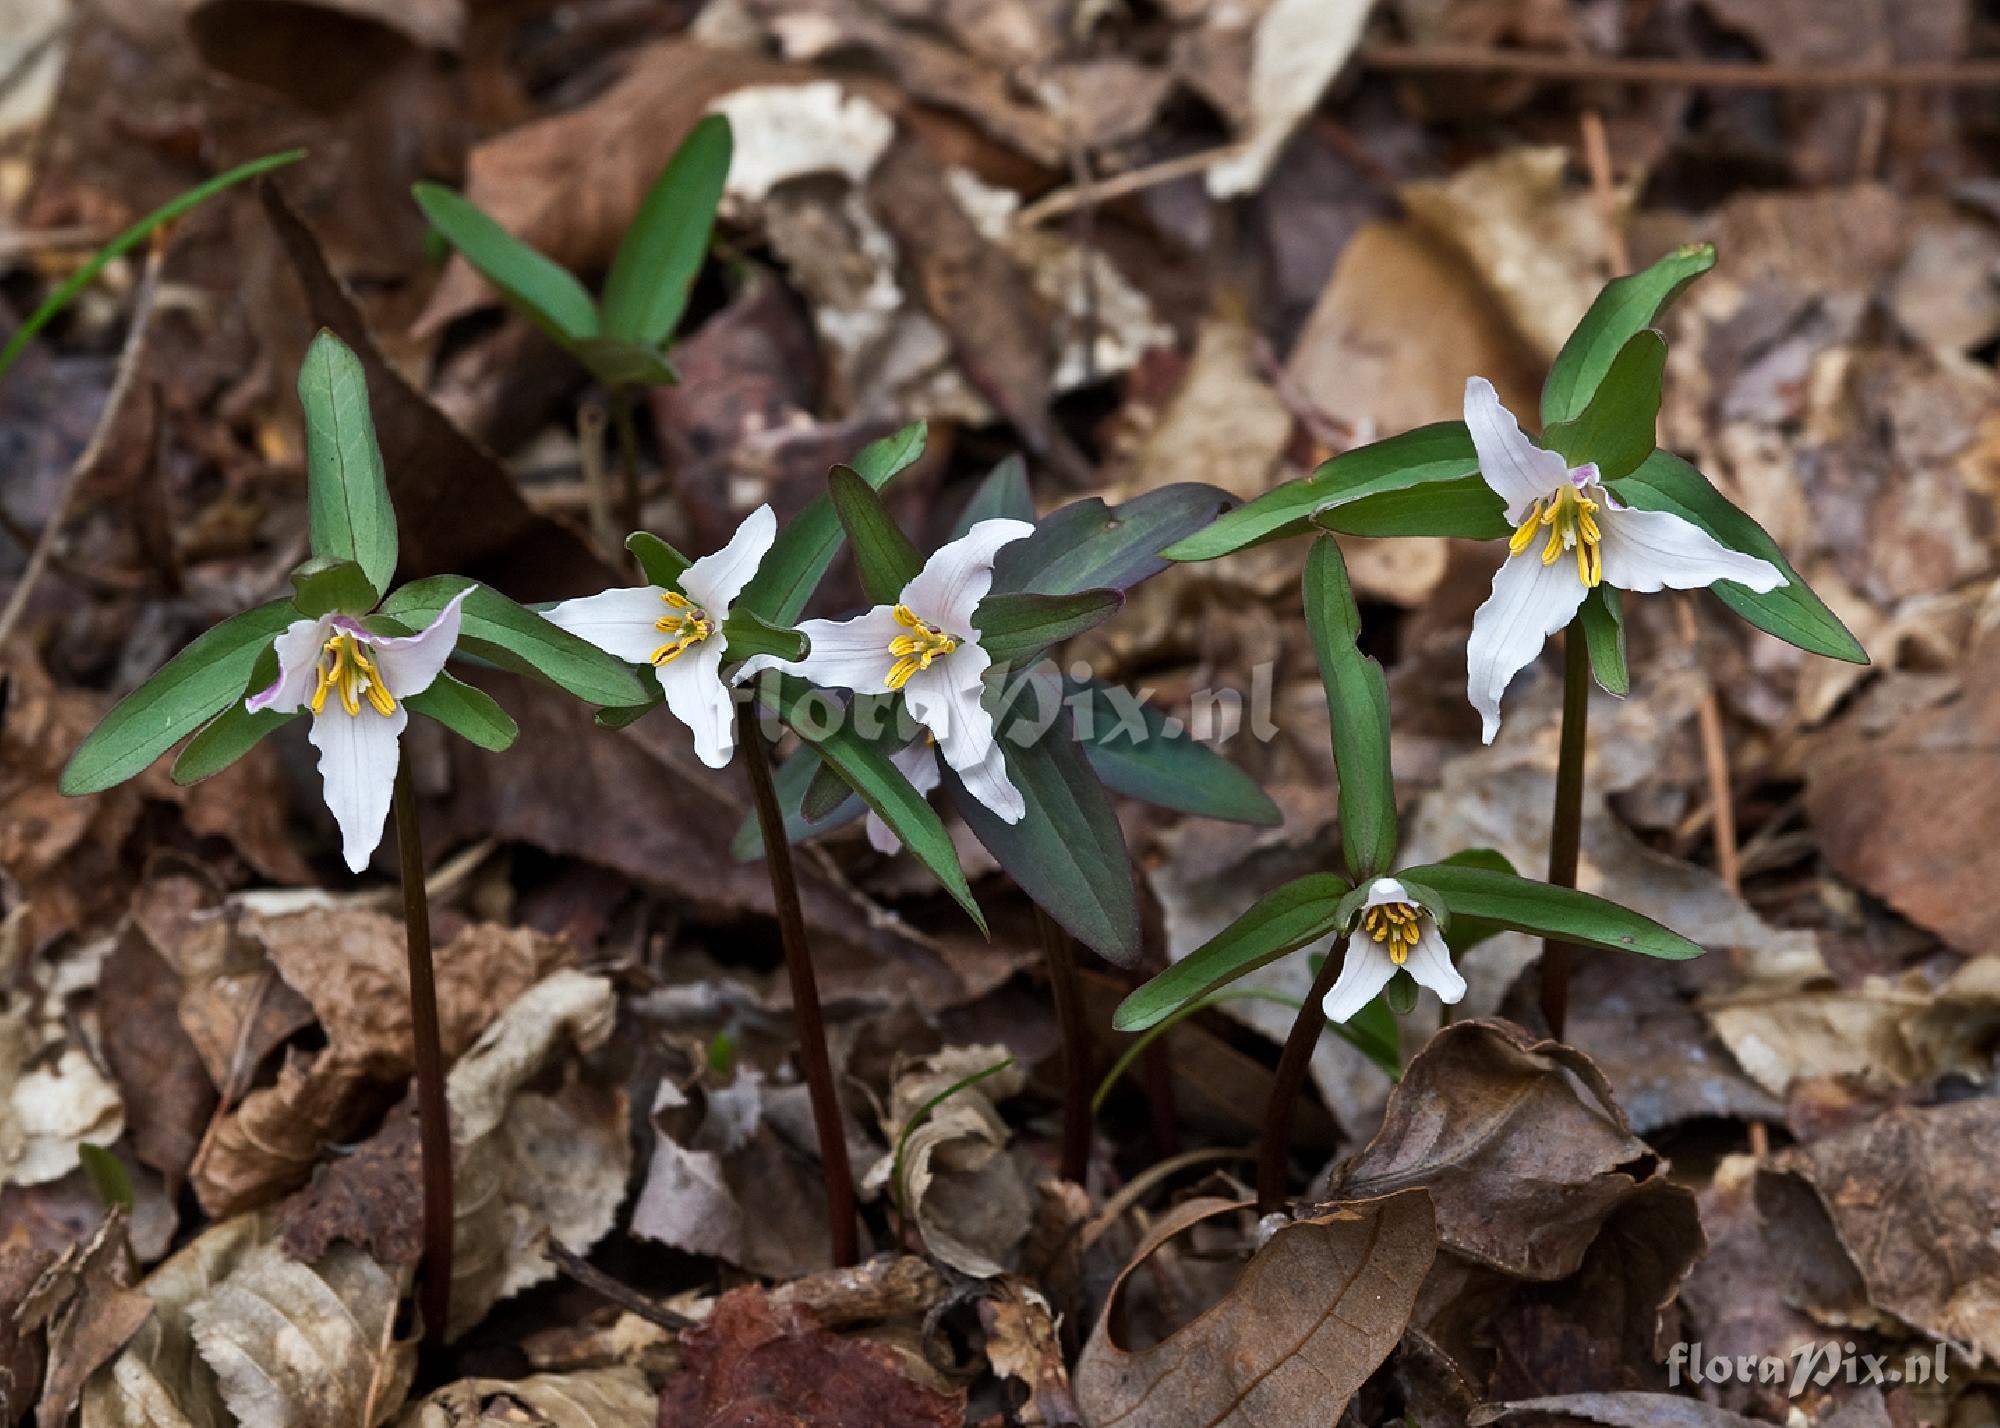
1655	550
1362	977
298	650
1519	471
410	662
1530	602
945	699
988	781
715	580
958	575
622	623
1384	890
1430	963
698	698
357	766
846	654
917	762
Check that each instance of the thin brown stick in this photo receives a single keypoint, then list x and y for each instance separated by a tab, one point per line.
1694	74
1274	1150
623	1295
1566	827
818	1068
433	1110
1066	200
1060	954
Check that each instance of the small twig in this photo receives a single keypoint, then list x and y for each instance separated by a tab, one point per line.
623	1295
1065	200
1141	1185
1695	74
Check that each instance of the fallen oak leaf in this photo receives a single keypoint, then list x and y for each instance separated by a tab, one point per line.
616	1397
1315	1312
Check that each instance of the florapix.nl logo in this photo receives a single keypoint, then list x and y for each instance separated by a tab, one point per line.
1818	1364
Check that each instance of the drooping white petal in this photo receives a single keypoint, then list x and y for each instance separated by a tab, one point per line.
1363	975
1519	471
1530	602
698	698
622	623
1654	550
917	762
357	768
714	581
958	575
298	647
1430	963
945	699
989	782
846	654
1385	890
410	662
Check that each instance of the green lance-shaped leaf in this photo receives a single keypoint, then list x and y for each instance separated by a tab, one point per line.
470	713
1523	905
1603	618
869	773
1136	751
350	514
1626	306
515	637
805	547
1088	545
882	553
326	584
1067	852
746	633
1465	932
1357	697
661	564
131	238
1300	912
545	290
1620	427
1002	496
1464	506
619	363
1015	629
235	731
647	290
1792	612
1440	452
189	690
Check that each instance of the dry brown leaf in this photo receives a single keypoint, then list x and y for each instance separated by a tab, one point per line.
52	1098
532	1166
1296	49
166	1088
1223	426
1022	1344
1315	1311
90	1312
595	1398
1614	1410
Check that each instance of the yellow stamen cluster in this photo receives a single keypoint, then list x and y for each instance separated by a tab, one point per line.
916	650
346	666
1396	924
1571	519
685	624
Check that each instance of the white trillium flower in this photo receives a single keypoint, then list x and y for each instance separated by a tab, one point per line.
679	632
926	646
355	683
1395	931
1570	534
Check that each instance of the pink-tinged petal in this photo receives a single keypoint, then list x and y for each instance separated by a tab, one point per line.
698	698
917	762
945	699
298	647
1530	602
1363	975
988	781
846	654
1430	963
1656	550
1385	890
357	768
410	662
714	581
622	623
1520	472
958	575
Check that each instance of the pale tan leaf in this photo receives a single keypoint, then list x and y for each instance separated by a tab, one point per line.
596	1398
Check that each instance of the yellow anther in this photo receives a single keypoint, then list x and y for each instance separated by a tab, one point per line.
346	668
916	650
1396	924
687	624
1571	521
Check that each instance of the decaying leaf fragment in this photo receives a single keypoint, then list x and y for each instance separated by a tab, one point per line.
594	1398
1315	1311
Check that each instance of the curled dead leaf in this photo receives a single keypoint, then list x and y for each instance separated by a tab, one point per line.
595	1398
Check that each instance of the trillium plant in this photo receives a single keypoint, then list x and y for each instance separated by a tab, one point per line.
357	663
1591	508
